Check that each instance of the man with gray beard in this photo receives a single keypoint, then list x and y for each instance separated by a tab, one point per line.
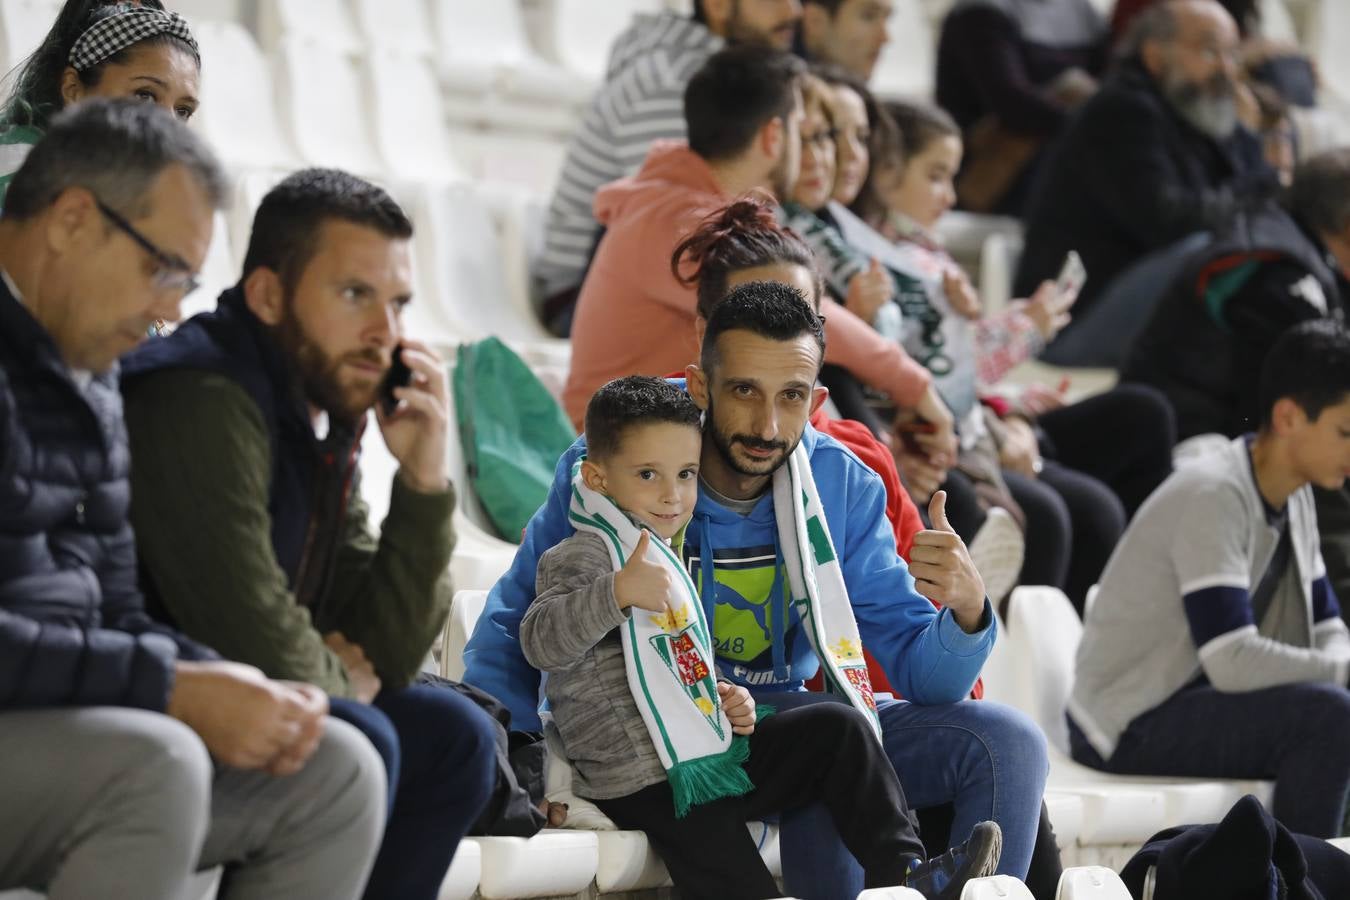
1161	154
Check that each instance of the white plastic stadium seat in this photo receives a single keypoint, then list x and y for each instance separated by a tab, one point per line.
908	59
402	26
461	881
1326	42
23	25
460	240
1091	883
579	33
323	103
996	887
890	893
1042	634
329	22
218	272
550	864
238	115
465	611
409	118
484	47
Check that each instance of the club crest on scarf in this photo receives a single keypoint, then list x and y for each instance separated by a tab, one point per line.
678	648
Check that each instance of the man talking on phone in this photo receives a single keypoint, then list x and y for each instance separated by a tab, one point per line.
245	429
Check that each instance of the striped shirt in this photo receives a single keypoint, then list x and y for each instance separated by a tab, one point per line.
641	101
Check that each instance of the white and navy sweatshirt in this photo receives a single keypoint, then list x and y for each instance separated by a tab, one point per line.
1175	603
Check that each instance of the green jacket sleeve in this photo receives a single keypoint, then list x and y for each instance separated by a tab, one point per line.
392	596
200	477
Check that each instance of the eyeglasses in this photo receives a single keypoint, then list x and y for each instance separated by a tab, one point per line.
820	140
171	273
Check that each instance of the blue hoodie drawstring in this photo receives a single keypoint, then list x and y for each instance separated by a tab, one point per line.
778	614
707	577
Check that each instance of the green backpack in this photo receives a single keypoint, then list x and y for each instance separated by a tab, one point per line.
512	432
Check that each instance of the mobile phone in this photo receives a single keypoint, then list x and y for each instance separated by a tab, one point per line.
1071	276
399	375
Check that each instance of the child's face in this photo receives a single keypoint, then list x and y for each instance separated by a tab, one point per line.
923	189
653	476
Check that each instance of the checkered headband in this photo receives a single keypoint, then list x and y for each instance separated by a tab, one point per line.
118	32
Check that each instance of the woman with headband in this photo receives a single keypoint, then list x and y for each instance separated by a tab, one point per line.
99	49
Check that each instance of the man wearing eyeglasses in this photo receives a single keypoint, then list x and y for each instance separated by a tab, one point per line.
132	755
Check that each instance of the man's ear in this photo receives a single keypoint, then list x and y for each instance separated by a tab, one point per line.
819	394
696	382
264	295
772	134
593	476
71	220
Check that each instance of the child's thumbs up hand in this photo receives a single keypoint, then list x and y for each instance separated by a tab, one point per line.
641	582
942	568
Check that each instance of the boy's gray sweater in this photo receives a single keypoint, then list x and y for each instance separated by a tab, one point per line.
571	632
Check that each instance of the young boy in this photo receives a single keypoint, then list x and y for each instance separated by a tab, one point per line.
643	448
1215	647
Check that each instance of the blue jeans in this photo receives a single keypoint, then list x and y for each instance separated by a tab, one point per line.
440	752
986	759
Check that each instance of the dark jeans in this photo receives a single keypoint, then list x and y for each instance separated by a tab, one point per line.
821	753
1073	524
1123	437
439	749
1297	734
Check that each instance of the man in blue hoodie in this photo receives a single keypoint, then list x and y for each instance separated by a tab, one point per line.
756	384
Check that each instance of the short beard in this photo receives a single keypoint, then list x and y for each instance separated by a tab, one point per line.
724	443
318	372
1210	108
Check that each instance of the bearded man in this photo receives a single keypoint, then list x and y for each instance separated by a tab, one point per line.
1160	154
245	429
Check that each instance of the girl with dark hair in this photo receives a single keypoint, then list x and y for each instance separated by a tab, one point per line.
99	49
1078	471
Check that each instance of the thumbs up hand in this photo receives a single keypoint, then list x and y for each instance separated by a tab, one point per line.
868	291
943	571
643	583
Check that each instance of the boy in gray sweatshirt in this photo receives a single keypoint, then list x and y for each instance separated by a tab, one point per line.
1215	646
643	452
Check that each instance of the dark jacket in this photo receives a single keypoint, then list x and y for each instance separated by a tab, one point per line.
1247	856
280	550
1207	339
73	629
1128	177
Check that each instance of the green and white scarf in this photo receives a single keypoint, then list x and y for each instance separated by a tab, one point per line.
817	583
671	669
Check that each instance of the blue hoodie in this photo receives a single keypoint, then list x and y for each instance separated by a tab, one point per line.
925	654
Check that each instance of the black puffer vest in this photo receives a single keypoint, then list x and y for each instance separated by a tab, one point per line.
311	479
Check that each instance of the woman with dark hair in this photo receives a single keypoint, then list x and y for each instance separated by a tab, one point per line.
99	49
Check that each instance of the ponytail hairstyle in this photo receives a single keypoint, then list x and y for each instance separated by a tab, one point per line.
740	236
35	95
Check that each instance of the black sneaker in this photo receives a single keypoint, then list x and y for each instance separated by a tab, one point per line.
944	877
